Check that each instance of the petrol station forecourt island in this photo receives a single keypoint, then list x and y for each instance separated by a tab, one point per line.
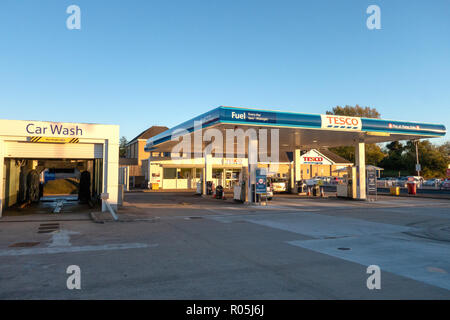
297	132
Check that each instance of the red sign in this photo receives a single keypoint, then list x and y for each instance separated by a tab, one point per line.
343	121
312	159
340	122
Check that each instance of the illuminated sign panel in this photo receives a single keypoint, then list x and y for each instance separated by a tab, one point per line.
252	116
334	122
314	157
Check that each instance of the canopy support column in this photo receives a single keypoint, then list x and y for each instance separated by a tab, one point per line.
297	172
2	192
207	170
252	165
360	162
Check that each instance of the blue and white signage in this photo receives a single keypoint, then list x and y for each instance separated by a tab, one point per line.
261	182
251	116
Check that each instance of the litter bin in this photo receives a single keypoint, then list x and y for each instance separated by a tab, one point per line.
301	186
199	188
316	190
412	187
395	191
219	192
209	188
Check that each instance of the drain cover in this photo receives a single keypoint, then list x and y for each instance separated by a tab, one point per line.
24	244
48	227
195	217
344	248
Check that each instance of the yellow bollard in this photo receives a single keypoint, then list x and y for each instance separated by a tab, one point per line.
395	191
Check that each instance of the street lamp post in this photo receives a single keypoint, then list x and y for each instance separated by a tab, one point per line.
418	169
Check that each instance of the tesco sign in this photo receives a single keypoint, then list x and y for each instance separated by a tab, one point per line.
313	159
340	122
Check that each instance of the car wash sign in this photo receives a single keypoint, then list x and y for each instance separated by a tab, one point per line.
335	122
69	130
54	129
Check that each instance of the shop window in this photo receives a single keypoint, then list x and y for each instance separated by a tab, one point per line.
216	173
170	173
184	173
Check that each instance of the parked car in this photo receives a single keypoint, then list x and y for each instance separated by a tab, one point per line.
311	182
336	180
279	185
387	182
325	180
401	182
269	190
435	182
418	180
445	185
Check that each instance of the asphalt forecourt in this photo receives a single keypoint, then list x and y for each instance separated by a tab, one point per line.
294	248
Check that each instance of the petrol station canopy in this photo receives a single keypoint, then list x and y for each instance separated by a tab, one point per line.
301	130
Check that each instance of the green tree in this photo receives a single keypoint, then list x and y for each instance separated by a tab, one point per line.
374	154
445	149
122	147
394	161
355	111
432	159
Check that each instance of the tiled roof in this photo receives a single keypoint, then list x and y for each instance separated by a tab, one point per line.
150	132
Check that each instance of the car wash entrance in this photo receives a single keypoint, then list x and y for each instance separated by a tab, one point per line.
49	184
259	136
42	162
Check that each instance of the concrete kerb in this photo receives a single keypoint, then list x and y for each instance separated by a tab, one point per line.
102	217
417	196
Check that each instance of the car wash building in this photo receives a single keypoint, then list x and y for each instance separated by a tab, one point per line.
295	134
38	150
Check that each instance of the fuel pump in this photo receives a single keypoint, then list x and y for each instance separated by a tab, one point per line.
348	187
240	189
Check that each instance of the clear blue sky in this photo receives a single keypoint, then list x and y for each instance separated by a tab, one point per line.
142	63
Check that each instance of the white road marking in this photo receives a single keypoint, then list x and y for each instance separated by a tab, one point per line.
53	250
61	238
58	206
